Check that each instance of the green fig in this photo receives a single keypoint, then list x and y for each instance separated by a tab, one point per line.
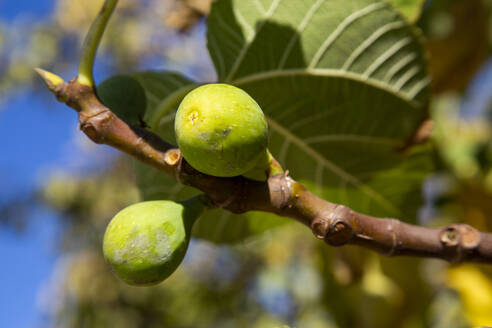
221	130
125	97
145	242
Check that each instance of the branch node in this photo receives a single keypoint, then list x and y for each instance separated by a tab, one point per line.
459	239
450	236
92	133
280	191
461	235
392	223
320	227
470	237
340	232
172	157
93	122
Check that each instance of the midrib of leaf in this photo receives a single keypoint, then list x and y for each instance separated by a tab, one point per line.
299	29
166	105
328	72
329	165
248	43
259	6
352	138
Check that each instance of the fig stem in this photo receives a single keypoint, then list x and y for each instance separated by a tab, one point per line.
91	43
274	167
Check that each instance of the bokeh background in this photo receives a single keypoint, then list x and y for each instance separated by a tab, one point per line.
58	190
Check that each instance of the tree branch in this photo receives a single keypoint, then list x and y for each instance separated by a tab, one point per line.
336	224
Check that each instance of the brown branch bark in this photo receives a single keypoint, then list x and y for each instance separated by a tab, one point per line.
336	224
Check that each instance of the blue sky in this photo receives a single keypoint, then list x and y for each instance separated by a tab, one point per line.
29	148
10	9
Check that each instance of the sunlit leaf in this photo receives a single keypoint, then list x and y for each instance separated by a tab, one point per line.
343	84
410	8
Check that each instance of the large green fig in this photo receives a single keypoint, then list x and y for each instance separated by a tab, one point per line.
145	242
221	130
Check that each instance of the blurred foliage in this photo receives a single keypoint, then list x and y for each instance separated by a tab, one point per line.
284	278
459	40
83	201
143	31
463	142
465	146
476	290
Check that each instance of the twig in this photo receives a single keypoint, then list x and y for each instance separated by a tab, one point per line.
336	224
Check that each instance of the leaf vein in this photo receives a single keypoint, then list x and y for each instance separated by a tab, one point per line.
342	27
318	178
228	28
403	80
329	165
398	66
283	152
386	55
248	43
325	72
307	18
218	54
370	41
419	86
351	138
250	32
260	7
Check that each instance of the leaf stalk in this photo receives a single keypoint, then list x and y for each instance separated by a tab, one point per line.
91	43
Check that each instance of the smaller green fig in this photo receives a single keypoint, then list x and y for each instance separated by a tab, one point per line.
221	130
124	96
145	242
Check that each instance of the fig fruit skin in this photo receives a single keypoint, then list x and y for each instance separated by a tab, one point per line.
145	242
221	130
